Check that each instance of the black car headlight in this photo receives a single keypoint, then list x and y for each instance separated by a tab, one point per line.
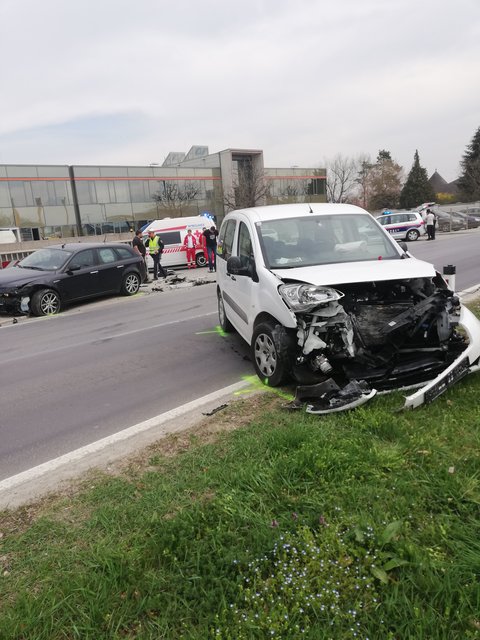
306	297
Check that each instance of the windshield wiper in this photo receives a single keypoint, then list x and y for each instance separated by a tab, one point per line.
35	268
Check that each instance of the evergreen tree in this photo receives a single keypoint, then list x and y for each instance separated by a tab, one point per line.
469	181
416	189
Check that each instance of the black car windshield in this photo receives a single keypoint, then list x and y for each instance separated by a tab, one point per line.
325	239
45	259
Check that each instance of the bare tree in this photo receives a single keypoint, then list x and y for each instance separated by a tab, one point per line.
249	188
363	179
342	174
175	196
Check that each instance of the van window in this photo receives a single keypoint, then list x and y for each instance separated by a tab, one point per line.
245	250
225	240
170	237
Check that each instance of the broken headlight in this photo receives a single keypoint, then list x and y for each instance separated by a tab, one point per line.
306	297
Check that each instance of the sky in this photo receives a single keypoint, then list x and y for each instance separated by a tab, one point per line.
124	82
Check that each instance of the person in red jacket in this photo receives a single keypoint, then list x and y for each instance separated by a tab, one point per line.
190	246
203	242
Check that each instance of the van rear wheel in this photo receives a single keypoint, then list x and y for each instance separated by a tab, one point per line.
412	235
225	323
200	260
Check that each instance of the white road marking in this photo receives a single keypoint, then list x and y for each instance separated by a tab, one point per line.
95	447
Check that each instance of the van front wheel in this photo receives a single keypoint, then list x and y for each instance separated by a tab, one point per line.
271	353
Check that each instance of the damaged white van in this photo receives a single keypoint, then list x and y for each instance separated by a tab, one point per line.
325	296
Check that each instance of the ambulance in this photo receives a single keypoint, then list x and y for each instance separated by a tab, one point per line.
172	232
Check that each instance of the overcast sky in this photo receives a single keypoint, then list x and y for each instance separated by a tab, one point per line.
126	81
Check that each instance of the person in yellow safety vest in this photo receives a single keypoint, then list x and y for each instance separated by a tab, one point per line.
155	248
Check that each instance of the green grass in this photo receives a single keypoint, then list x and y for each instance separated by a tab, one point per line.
356	525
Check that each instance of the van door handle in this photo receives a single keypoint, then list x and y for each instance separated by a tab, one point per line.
94	271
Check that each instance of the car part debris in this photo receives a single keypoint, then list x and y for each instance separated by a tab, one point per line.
216	410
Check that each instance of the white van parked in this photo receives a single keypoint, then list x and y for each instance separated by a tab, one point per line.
172	232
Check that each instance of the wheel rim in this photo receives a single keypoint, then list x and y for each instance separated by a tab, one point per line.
201	261
412	235
131	283
265	355
49	303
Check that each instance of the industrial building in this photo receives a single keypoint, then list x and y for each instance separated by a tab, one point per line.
45	201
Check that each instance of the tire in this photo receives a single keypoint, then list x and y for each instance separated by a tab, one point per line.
45	302
272	350
224	322
412	235
130	284
200	260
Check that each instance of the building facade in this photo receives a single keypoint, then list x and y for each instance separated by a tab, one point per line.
64	201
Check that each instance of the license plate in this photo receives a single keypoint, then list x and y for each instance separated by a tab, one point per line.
458	372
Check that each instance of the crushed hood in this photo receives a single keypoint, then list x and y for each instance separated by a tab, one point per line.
351	272
17	277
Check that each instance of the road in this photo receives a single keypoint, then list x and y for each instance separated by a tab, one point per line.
460	248
72	379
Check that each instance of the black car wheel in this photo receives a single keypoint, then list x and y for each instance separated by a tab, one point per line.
45	302
200	260
131	284
225	323
271	353
412	235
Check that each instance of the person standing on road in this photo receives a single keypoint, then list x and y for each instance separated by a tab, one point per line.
140	248
155	248
210	236
430	220
190	245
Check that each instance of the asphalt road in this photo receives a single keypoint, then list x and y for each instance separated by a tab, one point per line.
72	379
69	380
460	248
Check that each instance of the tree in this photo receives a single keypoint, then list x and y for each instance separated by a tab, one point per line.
249	188
469	181
175	197
416	189
342	175
385	182
363	180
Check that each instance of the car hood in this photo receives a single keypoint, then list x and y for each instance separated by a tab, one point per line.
351	272
17	277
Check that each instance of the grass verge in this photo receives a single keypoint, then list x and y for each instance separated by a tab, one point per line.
263	523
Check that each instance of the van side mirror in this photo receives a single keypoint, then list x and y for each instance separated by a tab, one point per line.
403	245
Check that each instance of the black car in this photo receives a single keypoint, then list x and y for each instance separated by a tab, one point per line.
54	276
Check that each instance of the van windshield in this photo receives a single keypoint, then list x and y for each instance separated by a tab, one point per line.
326	239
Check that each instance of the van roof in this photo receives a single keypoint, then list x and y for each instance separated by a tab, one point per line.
278	211
164	224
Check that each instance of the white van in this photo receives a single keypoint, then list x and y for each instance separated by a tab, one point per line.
172	232
324	295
